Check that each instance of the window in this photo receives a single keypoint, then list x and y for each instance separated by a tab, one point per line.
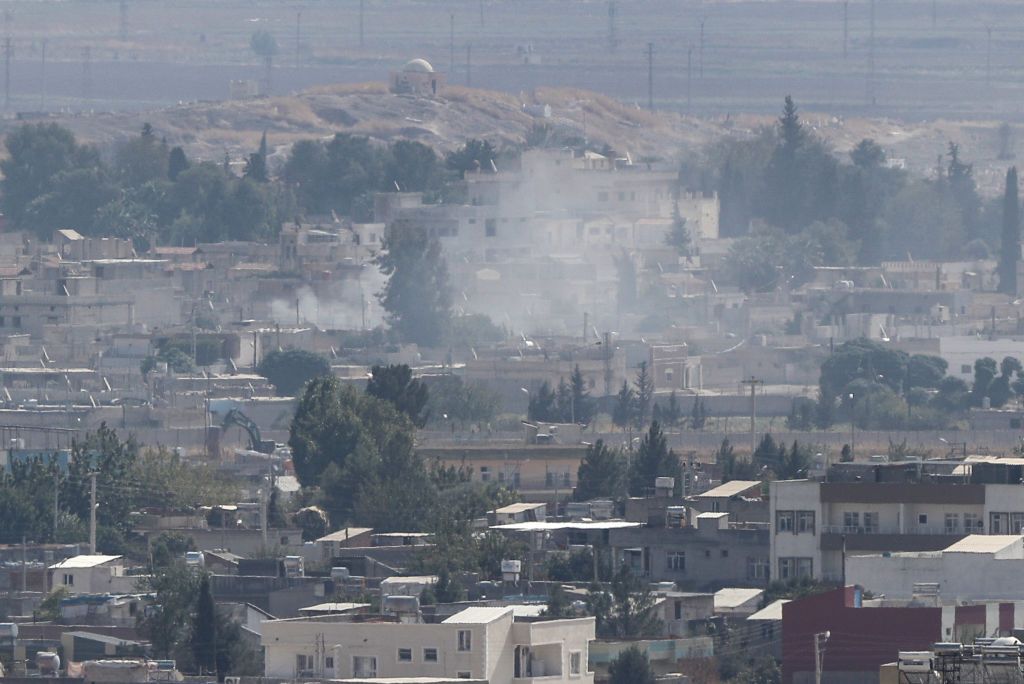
329	662
1015	423
678	610
405	655
69	579
490	227
790	568
972	523
998	523
725	553
952	523
922	519
303	664
430	655
575	663
783	521
566	479
1016	523
805	522
364	666
871	522
676	560
463	675
786	568
284	541
804	567
485	474
757	568
851	521
465	640
965	369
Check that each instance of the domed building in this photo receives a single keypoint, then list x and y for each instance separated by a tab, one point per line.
417	77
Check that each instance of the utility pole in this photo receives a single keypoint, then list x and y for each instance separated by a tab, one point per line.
701	55
689	80
650	77
612	40
42	79
753	382
846	25
362	10
870	95
56	500
7	72
92	513
469	65
988	56
87	73
820	639
24	566
451	43
298	34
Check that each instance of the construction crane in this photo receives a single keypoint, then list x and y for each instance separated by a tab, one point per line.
236	417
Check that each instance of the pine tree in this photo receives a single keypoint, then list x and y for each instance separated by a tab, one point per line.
699	414
602	473
653	460
679	234
631	666
583	404
625	406
644	394
256	165
542	406
672	412
1009	252
204	629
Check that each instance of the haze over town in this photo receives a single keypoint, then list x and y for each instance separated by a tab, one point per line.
510	341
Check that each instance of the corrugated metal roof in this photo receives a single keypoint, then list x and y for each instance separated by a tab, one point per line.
345	534
733	597
731	488
773	611
983	543
477	615
333	607
518	507
550	526
85	561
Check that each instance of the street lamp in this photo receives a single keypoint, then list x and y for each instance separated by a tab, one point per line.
853	425
820	639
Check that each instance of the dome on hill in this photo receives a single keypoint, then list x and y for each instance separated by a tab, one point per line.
420	66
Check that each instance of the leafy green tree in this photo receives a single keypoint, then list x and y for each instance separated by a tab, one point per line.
475	155
653	459
113	461
924	221
953	394
1009	251
413	167
73	200
289	370
602	473
698	414
417	297
395	384
959	183
632	613
1001	390
256	164
925	371
36	154
984	374
559	605
452	401
141	159
801	415
631	666
170	547
168	622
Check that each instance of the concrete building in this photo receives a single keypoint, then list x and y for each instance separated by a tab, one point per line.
491	645
92	575
976	568
814	521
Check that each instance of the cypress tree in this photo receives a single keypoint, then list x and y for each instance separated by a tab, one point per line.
1009	251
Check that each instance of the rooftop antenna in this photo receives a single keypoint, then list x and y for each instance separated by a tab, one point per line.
650	77
612	40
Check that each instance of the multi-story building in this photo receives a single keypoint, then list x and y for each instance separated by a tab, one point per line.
815	524
485	644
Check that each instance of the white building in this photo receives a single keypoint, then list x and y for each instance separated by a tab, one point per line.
484	644
94	574
976	568
812	522
961	353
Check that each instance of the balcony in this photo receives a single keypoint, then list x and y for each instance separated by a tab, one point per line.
907	529
883	538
